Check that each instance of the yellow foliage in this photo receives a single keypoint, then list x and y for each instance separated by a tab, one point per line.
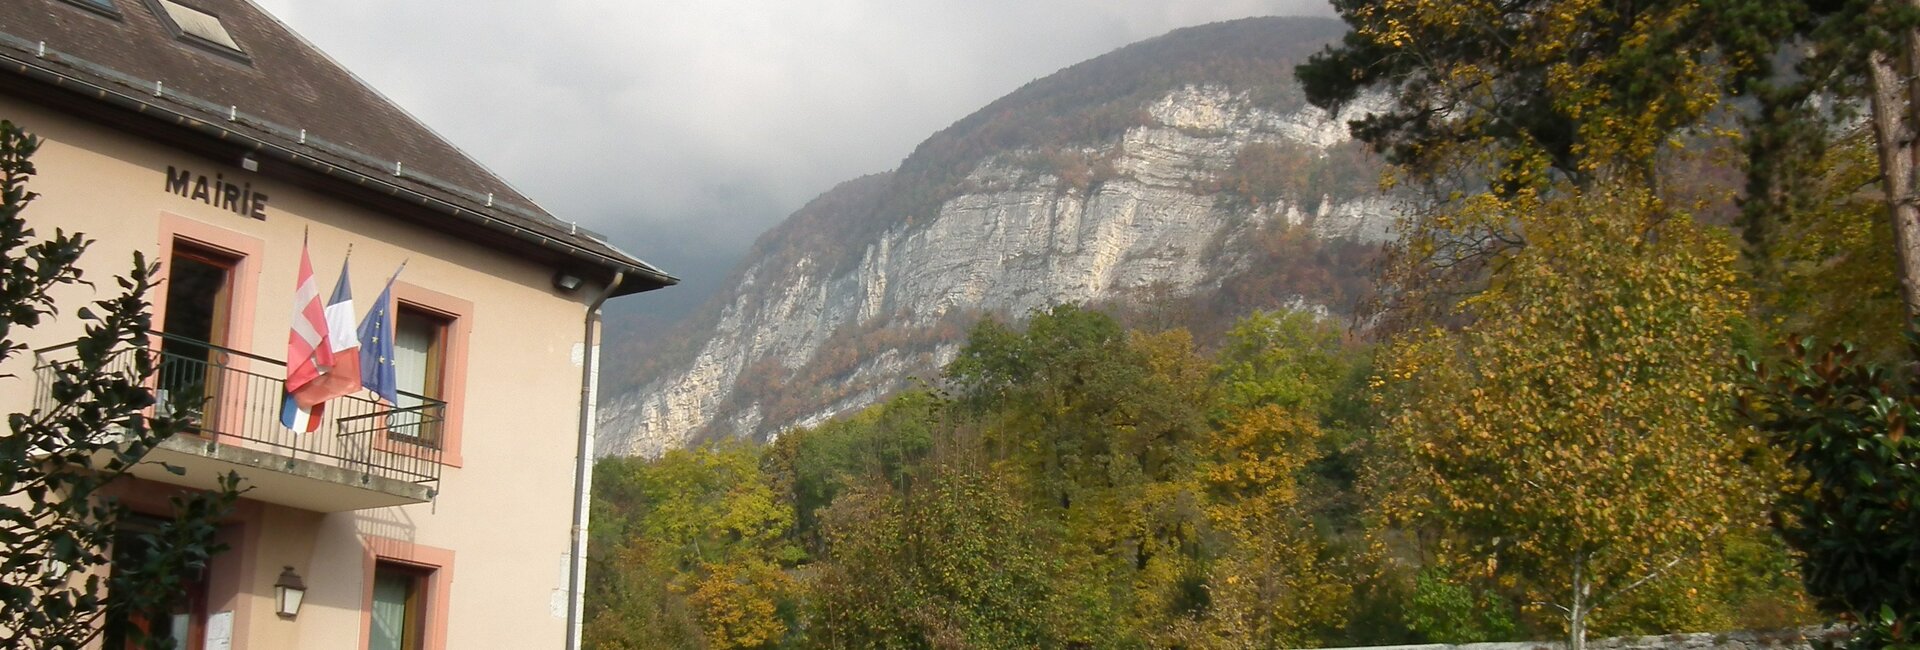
738	605
1612	134
1833	263
1579	419
1259	451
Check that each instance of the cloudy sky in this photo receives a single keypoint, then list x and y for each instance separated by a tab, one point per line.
685	129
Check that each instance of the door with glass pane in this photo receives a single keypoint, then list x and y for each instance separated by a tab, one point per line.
399	607
199	296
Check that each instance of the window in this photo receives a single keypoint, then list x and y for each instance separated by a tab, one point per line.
183	621
407	595
430	334
399	616
98	6
199	27
419	361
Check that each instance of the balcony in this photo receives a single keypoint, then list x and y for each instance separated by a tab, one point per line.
366	454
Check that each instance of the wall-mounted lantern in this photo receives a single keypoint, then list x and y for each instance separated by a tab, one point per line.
288	591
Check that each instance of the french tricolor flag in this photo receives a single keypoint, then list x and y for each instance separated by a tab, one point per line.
343	377
309	354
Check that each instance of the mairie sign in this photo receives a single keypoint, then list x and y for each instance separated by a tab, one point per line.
236	197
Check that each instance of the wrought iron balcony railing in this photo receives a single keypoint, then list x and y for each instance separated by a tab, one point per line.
239	397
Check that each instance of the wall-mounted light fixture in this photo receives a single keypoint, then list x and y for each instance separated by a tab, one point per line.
288	591
250	163
565	281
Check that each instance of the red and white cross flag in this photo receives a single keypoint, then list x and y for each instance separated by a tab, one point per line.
308	352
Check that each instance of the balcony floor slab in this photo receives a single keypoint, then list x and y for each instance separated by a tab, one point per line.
275	477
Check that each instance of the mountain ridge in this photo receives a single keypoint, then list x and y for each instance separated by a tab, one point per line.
1153	170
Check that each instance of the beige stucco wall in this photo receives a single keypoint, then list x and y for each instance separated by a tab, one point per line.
504	512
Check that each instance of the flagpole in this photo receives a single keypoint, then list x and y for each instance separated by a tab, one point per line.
396	273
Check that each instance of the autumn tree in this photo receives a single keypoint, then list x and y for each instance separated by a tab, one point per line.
634	602
690	549
1276	581
1582	90
1519	92
1574	437
1171	484
1827	266
1508	105
1099	429
810	467
955	562
1290	359
1861	53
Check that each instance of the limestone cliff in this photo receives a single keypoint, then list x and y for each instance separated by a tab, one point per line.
1158	190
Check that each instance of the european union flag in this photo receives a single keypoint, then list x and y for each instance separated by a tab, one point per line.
376	347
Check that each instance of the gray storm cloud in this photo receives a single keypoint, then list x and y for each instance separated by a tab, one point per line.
685	129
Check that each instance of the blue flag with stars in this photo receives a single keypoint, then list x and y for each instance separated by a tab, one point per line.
376	347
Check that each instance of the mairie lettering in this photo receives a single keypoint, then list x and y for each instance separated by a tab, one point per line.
238	197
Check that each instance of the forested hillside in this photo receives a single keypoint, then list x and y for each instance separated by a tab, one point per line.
1078	484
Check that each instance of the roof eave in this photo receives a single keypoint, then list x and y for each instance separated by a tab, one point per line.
641	276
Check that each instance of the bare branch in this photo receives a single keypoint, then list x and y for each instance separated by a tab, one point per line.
1643	580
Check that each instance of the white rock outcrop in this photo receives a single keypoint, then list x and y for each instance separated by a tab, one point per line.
1030	242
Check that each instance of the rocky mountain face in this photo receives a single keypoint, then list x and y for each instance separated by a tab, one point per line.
1130	185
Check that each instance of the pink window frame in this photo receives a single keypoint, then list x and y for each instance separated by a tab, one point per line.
453	366
247	250
439	596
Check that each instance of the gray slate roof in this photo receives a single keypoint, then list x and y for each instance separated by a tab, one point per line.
290	98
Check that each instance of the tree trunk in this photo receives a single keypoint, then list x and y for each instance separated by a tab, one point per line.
1577	614
1893	102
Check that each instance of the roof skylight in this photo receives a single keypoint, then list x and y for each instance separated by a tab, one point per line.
102	6
199	24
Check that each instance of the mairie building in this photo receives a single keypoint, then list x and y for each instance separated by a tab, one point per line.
211	138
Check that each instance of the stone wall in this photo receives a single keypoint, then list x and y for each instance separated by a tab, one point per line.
1780	639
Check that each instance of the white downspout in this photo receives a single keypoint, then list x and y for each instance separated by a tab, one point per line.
583	465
